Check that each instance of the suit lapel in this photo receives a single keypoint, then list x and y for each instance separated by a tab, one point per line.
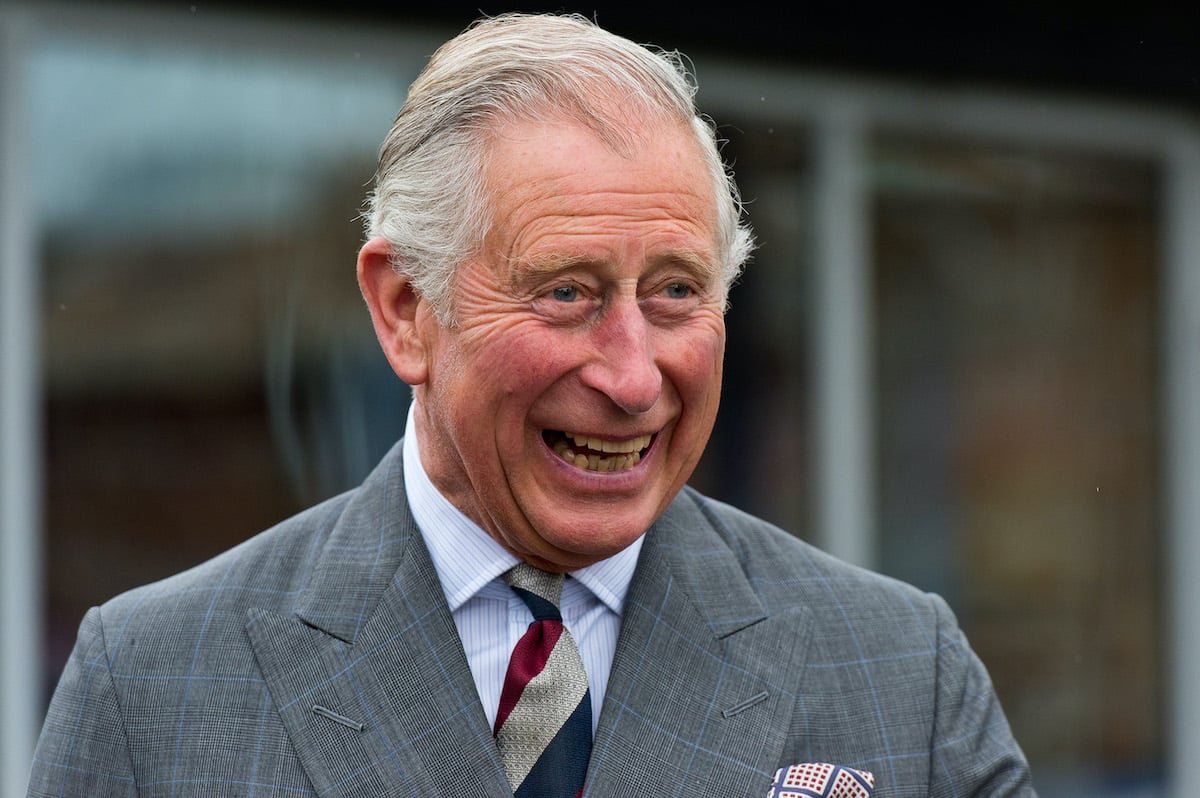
374	689
369	676
703	681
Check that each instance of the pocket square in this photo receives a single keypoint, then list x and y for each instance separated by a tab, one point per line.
821	780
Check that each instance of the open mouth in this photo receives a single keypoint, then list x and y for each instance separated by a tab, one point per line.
593	454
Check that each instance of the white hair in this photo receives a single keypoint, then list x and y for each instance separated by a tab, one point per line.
429	201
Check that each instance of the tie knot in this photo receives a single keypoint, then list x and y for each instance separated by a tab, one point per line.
540	590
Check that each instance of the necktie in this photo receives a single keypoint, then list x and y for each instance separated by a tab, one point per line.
544	723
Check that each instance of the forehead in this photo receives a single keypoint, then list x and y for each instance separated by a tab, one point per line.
558	191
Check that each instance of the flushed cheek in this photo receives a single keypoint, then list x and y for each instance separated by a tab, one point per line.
530	372
510	359
696	364
524	385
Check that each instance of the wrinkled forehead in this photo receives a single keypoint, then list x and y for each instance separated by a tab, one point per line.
652	183
625	133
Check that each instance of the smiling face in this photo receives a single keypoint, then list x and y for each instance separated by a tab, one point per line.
574	393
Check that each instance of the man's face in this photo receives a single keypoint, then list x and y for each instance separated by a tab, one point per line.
573	395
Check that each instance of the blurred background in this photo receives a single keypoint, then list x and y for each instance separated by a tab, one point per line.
965	353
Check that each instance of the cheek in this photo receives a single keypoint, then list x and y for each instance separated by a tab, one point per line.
696	363
522	366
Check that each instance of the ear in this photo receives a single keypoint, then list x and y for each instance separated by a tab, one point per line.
394	308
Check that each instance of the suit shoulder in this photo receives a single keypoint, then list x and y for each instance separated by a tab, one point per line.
266	570
786	569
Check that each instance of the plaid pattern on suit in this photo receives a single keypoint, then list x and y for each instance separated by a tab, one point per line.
319	658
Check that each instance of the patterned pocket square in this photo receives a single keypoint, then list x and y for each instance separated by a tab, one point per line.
821	780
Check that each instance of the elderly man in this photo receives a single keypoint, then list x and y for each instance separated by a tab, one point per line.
552	241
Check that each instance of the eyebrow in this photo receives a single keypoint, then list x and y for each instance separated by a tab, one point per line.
556	262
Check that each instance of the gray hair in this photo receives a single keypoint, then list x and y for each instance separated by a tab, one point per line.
429	201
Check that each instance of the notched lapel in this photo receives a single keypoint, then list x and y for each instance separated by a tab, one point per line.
704	680
369	676
306	668
393	714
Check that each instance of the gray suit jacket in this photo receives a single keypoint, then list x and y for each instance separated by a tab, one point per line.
319	658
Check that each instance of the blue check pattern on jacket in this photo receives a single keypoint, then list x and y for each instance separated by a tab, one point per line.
319	658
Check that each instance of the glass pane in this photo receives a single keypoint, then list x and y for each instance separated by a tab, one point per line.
759	457
1018	448
208	360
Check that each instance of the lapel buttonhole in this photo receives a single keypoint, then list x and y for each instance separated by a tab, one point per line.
744	705
336	718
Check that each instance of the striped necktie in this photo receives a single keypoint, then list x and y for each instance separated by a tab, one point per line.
544	723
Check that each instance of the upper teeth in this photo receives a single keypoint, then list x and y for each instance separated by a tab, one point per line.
597	445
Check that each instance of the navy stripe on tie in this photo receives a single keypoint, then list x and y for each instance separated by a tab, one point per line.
563	766
542	610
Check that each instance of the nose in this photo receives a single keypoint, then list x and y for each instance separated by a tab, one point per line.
624	367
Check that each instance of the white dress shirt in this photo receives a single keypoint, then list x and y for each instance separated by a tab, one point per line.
489	616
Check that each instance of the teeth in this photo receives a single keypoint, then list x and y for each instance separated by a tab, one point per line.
624	454
610	447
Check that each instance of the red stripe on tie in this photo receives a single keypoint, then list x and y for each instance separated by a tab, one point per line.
528	659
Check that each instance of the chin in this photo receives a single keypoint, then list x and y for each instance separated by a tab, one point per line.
599	544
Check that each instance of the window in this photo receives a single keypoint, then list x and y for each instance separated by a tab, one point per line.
1016	359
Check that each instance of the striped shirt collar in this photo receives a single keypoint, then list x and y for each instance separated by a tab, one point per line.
467	559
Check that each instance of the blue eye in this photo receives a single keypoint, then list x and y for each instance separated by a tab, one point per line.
678	291
565	293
